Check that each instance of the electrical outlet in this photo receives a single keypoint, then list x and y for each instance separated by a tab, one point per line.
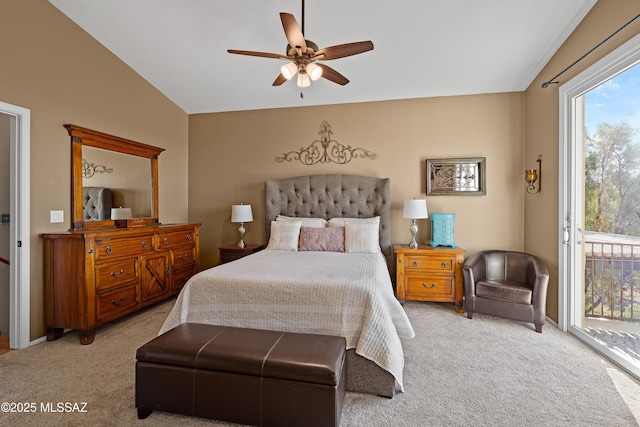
4	218
56	216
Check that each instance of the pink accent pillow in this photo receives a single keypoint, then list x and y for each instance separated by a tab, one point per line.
321	239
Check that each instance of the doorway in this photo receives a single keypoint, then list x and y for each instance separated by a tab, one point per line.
19	123
5	140
597	254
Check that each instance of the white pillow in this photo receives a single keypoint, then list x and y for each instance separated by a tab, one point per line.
306	222
284	235
340	222
361	237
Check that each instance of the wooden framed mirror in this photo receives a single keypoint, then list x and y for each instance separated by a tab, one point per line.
82	138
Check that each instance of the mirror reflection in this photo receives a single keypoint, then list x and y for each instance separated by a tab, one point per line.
112	179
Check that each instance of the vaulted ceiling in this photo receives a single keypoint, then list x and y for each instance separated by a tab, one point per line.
422	48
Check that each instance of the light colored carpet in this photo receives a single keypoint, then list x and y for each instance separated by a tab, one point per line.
486	371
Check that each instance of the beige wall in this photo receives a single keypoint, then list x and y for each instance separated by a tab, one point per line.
62	75
542	126
232	154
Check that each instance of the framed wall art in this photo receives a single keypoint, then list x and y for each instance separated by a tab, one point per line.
462	177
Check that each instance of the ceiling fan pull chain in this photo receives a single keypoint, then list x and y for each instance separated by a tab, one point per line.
301	95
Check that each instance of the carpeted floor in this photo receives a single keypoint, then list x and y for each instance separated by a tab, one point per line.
486	371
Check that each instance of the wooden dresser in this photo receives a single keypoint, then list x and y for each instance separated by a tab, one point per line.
95	276
429	274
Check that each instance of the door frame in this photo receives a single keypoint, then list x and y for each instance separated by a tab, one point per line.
19	231
571	192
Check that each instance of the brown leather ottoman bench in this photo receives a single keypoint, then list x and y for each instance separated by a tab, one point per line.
246	376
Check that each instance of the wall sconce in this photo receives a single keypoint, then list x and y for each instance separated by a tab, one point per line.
533	175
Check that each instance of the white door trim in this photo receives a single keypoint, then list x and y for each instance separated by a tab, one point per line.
20	250
614	63
571	193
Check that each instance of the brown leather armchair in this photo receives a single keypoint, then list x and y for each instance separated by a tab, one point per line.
507	284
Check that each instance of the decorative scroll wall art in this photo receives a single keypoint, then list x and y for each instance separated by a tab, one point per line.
463	177
90	169
326	150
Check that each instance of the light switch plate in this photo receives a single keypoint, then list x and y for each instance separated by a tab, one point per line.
57	216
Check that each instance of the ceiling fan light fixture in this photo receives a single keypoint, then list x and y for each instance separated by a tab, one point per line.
303	80
314	71
289	70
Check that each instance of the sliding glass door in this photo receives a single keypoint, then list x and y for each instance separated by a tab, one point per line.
599	264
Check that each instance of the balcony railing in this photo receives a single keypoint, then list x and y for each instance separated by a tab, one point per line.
612	276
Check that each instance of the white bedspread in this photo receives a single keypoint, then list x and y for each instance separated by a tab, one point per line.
328	293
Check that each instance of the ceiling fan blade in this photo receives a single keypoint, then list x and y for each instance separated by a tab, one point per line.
342	50
259	54
293	32
332	75
279	80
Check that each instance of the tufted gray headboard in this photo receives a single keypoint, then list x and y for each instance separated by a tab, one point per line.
331	196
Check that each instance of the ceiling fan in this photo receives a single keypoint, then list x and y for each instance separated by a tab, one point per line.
302	55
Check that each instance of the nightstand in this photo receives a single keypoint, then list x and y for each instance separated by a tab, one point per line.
233	252
429	274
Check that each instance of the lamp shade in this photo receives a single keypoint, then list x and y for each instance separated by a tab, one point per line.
289	70
415	209
303	80
120	213
314	71
241	213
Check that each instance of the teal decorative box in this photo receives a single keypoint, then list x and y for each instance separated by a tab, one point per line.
442	229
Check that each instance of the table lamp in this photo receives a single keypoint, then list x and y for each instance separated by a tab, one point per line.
414	210
241	213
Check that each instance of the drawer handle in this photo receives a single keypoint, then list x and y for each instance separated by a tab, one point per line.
166	241
400	260
109	249
166	272
114	302
433	285
415	263
183	257
144	245
443	265
118	275
188	236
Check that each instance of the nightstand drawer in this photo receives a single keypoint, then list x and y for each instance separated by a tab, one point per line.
234	252
433	288
421	263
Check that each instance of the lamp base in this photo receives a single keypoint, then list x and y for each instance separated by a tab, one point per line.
241	230
414	231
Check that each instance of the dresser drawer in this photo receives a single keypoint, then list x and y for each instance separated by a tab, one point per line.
180	277
113	274
184	255
418	264
113	248
177	238
432	288
113	303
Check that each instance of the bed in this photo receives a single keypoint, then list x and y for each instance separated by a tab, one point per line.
314	288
